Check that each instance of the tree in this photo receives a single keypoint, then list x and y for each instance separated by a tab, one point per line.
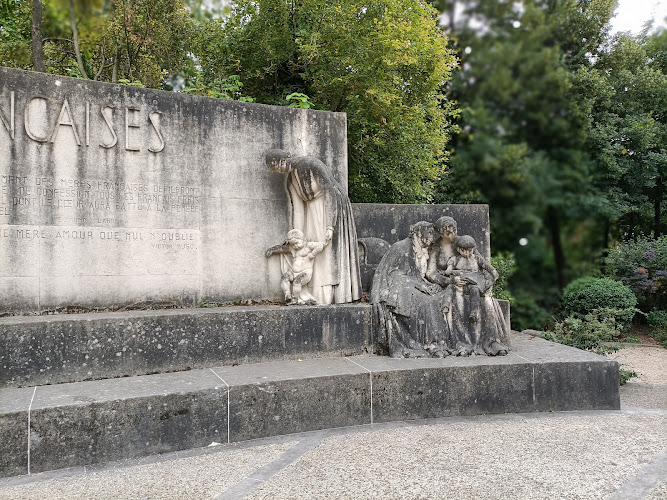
36	35
524	124
110	40
629	136
383	62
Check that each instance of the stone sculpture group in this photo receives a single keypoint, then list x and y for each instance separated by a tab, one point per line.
321	211
434	297
432	291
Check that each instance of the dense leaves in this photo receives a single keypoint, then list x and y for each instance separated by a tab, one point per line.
382	62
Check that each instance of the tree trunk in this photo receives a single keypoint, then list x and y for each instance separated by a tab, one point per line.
114	71
75	38
559	257
36	35
657	202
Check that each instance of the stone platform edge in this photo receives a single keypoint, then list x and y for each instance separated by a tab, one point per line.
52	427
40	350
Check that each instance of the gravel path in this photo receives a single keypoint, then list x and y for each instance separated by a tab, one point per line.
649	362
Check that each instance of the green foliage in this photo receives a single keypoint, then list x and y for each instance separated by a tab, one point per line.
657	320
382	62
525	122
505	264
135	40
15	34
299	100
585	295
625	375
642	265
589	333
629	132
220	88
136	83
528	313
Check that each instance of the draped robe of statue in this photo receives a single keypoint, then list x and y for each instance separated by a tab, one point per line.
317	202
409	319
489	334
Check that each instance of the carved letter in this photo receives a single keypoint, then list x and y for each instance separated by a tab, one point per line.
109	123
68	123
10	126
155	121
128	126
27	120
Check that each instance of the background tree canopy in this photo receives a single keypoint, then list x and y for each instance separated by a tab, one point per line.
562	127
384	63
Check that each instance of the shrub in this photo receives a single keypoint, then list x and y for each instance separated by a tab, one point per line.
588	333
527	313
657	320
585	295
505	264
625	375
642	265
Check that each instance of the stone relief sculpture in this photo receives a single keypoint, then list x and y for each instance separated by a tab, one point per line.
294	282
435	298
408	307
320	209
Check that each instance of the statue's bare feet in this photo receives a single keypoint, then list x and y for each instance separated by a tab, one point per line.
311	302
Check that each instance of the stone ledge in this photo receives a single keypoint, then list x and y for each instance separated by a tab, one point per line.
40	350
99	421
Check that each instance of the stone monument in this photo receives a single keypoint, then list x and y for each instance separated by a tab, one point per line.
434	298
111	195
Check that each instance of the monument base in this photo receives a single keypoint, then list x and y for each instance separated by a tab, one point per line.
84	423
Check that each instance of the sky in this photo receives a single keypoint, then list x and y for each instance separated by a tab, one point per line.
632	14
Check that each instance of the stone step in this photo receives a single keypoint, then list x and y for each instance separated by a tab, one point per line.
57	426
40	350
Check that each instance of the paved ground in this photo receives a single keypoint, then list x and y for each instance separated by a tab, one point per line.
616	454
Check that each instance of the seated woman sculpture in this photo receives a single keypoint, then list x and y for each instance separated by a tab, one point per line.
411	323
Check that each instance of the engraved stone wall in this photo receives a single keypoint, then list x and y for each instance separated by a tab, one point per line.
112	194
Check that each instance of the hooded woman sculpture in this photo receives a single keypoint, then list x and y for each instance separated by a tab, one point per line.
319	207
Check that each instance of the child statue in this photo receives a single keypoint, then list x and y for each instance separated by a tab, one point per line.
471	272
294	282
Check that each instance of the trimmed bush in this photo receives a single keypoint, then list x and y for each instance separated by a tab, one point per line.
585	295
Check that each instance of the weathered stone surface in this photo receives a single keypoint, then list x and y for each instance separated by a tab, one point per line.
14	404
536	376
38	350
80	424
392	222
112	194
275	398
89	422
